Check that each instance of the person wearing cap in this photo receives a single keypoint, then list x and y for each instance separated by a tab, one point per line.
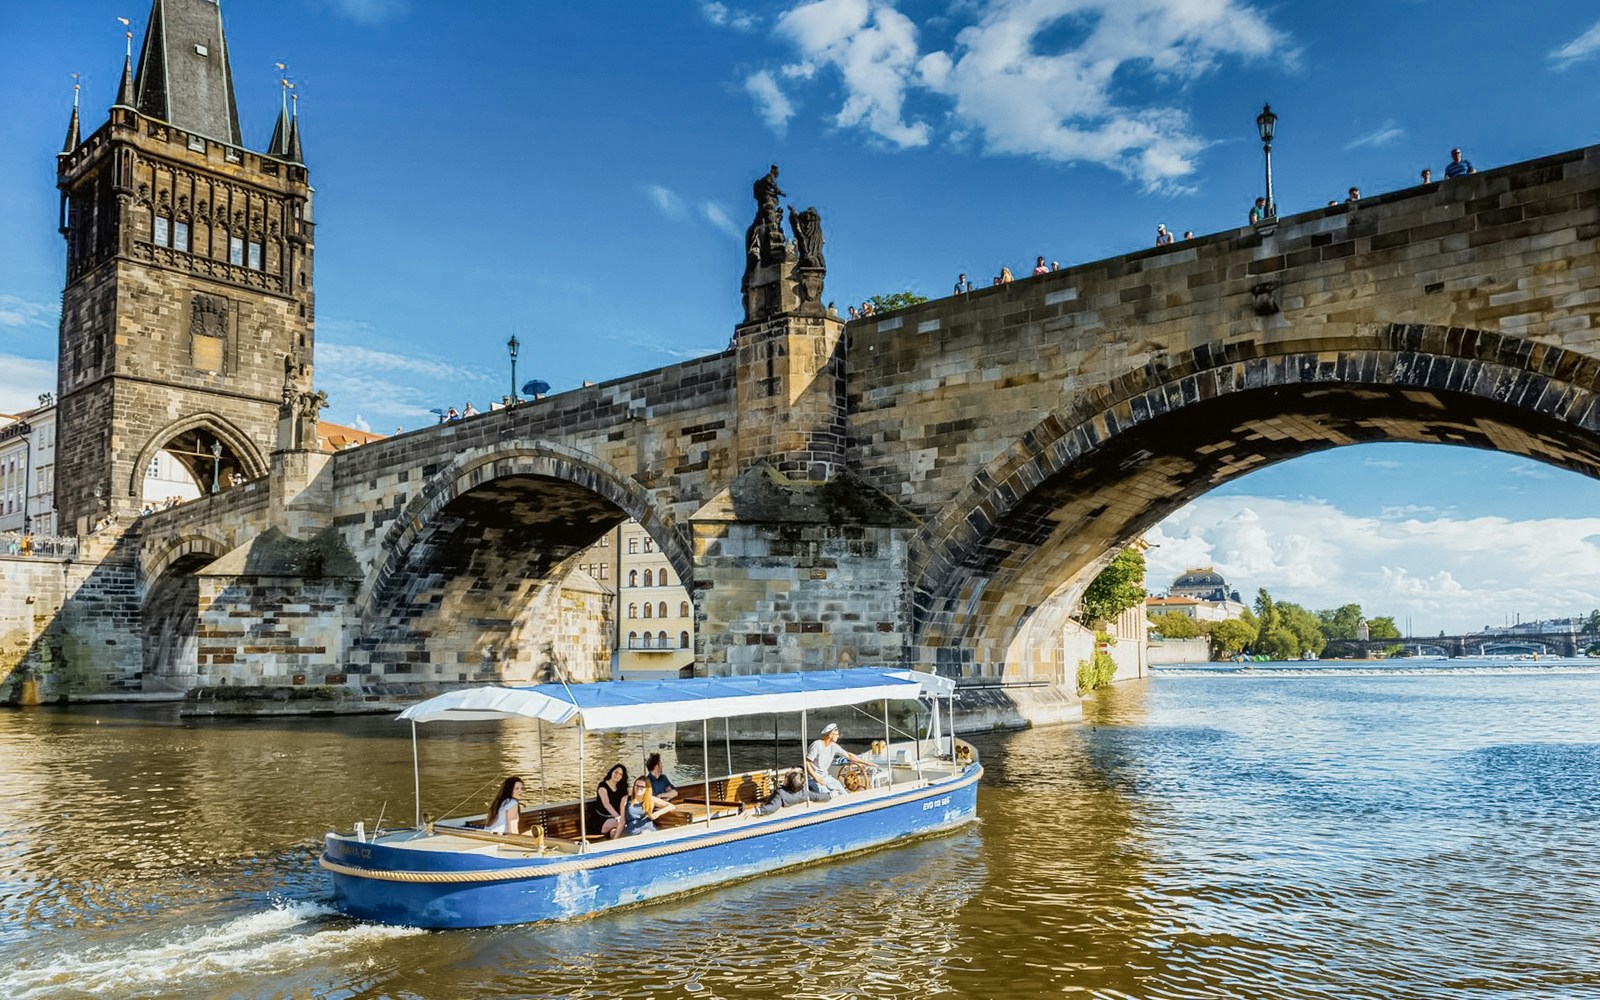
821	755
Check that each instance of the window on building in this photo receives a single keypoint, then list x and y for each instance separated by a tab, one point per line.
661	640
633	546
662	610
649	544
633	611
649	579
647	609
649	641
683	640
163	231
235	250
604	542
154	472
633	640
180	236
605	572
633	578
665	578
257	257
683	609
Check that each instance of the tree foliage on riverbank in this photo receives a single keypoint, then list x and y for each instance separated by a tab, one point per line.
1117	588
1280	630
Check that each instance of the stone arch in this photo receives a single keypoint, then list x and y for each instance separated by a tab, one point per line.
239	447
1173	430
521	457
169	619
184	548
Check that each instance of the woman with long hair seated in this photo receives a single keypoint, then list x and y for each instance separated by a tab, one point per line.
605	816
505	812
641	811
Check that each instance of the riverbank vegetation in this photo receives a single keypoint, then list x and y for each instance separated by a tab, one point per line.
1278	630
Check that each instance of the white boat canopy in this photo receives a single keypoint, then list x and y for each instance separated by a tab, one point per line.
624	704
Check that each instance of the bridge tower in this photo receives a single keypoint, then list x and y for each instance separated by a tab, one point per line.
187	313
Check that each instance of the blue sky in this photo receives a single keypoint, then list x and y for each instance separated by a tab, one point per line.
579	174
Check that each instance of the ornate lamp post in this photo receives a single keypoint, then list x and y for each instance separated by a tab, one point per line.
1266	123
513	345
216	463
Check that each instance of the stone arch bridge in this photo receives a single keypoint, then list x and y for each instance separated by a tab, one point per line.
931	486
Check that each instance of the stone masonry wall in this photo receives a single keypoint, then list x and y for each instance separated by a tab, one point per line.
71	626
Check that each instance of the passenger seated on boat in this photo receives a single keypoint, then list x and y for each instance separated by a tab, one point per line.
661	786
820	756
605	814
792	792
641	811
505	812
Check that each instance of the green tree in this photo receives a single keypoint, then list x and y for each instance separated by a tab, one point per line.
1592	626
1098	671
1230	638
1383	628
1340	622
1173	625
1118	587
899	300
1304	626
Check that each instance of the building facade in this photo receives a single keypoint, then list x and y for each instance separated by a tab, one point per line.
27	471
655	619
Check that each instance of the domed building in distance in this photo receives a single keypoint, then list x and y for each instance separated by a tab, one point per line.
1202	594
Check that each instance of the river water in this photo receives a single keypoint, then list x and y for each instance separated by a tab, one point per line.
1256	835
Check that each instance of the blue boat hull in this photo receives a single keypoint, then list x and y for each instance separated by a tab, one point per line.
438	889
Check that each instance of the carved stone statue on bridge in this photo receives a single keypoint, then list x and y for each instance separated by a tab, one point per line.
781	278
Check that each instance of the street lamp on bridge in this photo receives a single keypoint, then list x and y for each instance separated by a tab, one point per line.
216	463
1266	124
513	345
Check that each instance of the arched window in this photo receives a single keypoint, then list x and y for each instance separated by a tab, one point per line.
633	640
683	610
661	640
633	578
683	640
665	579
647	609
649	579
661	612
633	611
649	544
649	641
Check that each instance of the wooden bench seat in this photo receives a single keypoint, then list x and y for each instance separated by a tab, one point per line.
739	792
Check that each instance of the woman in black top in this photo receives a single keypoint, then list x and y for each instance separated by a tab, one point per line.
609	796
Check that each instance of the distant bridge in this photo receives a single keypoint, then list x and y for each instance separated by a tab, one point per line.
1475	644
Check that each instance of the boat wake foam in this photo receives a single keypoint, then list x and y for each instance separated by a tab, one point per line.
281	938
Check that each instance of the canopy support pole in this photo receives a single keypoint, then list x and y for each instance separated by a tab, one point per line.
705	746
583	805
887	762
416	774
727	742
804	774
544	797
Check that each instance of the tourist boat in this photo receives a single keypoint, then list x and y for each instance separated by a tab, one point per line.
452	873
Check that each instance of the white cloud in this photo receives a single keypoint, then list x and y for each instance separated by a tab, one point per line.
1381	136
15	311
874	48
668	203
719	218
350	360
774	106
360	423
1006	79
724	16
1443	571
22	380
370	11
1582	47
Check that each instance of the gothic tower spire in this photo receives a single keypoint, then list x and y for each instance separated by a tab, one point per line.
72	124
295	156
184	77
125	91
